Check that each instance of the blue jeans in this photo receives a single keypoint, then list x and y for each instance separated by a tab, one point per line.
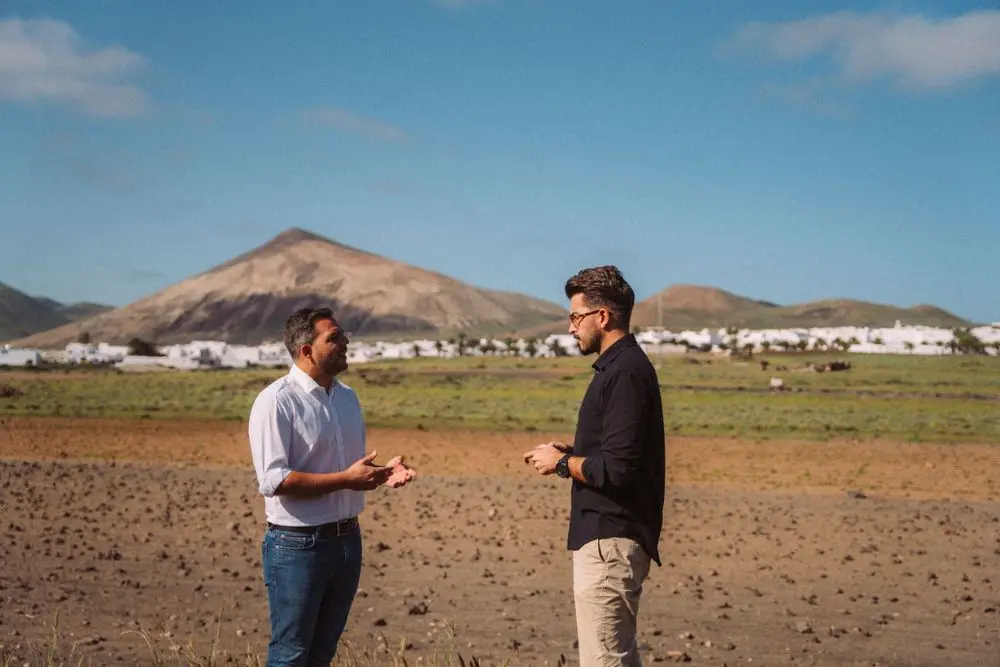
311	582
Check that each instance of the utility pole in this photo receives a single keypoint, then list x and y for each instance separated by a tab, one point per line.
659	309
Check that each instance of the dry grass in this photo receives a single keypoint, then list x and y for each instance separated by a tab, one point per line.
60	651
899	397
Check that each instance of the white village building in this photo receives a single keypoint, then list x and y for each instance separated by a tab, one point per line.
207	354
89	353
19	358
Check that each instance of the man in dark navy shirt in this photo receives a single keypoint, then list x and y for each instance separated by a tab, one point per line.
618	469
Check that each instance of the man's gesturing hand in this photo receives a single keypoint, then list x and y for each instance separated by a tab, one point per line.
544	457
401	473
363	475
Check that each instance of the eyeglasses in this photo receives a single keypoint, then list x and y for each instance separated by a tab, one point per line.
576	318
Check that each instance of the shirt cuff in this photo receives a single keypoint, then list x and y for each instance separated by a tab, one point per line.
272	480
593	470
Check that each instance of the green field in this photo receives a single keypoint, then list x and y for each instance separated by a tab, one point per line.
933	399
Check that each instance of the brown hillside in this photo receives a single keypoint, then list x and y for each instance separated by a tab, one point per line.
247	299
689	305
22	315
692	307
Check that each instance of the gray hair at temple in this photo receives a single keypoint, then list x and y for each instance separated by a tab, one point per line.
300	328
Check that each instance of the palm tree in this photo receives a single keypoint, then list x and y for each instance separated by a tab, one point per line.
557	348
966	342
733	333
511	345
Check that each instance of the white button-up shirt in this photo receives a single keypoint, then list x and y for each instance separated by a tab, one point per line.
296	425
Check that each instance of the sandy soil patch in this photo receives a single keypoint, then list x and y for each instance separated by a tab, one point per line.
890	469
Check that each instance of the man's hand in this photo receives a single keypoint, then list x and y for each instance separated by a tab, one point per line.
545	457
401	473
363	475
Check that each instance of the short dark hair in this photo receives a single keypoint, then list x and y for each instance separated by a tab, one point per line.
300	328
604	287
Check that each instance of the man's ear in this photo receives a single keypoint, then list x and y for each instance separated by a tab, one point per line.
605	318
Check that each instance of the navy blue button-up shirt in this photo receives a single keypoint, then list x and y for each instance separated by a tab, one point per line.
620	432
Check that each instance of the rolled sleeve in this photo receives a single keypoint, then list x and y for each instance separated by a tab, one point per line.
625	405
270	431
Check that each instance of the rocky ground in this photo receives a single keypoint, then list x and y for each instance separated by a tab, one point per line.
472	555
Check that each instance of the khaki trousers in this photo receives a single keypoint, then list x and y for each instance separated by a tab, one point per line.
608	575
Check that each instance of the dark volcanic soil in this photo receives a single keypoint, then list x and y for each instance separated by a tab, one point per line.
749	577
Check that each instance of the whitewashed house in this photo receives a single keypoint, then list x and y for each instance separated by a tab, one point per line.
19	358
705	337
270	355
88	353
566	342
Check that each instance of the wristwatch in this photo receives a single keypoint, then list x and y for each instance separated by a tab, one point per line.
562	468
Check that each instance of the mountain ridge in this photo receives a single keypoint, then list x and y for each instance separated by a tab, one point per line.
23	315
247	299
694	307
672	306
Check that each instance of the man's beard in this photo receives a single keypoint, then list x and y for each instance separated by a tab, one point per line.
334	365
587	347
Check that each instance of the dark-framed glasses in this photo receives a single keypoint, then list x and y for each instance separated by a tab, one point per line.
576	318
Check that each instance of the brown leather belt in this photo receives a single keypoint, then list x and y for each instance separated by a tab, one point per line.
335	529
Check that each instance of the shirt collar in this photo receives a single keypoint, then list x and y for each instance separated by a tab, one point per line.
301	378
610	354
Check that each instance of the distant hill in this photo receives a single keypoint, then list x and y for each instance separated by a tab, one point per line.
697	307
247	299
81	310
22	315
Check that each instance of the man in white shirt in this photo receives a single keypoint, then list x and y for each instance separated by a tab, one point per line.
307	439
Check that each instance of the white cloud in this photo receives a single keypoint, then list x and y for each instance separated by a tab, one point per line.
913	51
345	120
45	60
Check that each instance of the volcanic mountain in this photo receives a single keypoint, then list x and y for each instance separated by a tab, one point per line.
247	299
23	315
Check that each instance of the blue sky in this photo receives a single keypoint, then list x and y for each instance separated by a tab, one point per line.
780	150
